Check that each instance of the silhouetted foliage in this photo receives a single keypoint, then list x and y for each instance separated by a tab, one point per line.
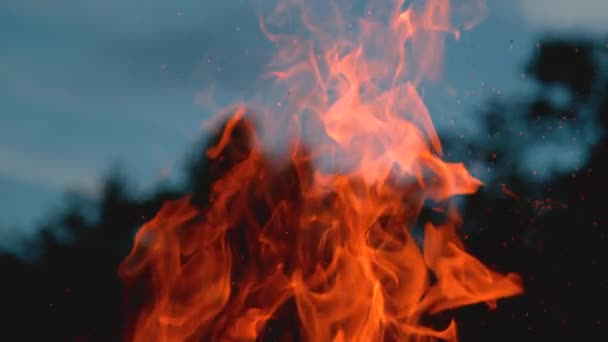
554	236
571	64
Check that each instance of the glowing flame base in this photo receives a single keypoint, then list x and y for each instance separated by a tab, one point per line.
322	241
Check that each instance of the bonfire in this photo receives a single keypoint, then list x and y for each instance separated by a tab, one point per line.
311	230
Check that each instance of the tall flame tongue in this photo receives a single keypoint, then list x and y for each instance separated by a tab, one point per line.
321	247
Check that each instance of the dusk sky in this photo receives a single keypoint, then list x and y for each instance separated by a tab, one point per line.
88	85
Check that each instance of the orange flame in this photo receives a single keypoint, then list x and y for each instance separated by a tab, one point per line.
327	235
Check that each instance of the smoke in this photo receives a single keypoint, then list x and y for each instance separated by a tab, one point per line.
543	130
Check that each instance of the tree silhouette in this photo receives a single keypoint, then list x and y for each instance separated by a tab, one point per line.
553	235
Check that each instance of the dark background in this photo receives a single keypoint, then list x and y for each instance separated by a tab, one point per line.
553	234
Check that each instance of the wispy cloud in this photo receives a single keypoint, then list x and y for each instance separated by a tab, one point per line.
47	172
587	15
100	82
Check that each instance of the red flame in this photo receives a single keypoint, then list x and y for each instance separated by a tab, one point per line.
327	232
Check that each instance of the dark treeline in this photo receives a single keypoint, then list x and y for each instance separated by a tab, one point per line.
553	234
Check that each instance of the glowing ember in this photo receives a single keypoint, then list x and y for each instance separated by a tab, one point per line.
322	239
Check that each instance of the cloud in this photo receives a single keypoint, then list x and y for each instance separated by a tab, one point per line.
120	46
117	17
47	172
105	81
560	15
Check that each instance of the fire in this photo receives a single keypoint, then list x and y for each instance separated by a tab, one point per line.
318	243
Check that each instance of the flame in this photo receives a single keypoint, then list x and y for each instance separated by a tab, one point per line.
322	246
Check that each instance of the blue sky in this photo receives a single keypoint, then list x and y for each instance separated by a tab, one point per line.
85	85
